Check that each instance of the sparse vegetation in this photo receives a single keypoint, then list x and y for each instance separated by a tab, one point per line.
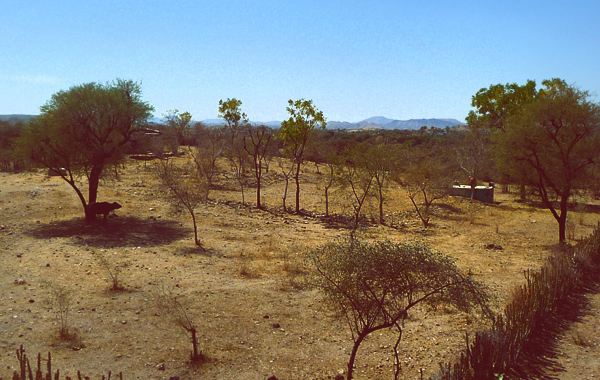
60	302
375	285
247	299
113	266
176	310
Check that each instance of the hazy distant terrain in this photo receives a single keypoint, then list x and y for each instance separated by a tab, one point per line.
15	117
376	122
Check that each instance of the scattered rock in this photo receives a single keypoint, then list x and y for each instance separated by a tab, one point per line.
174	378
493	246
339	376
276	325
19	281
161	367
272	378
47	265
266	316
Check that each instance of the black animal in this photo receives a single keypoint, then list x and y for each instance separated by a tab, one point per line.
104	208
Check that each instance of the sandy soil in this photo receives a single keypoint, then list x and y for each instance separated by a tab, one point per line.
244	287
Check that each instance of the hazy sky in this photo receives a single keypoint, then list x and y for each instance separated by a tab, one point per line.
355	59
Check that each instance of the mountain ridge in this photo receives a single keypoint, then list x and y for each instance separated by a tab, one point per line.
375	122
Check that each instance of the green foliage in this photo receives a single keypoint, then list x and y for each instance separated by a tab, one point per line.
304	119
85	129
374	284
230	110
296	132
556	138
494	105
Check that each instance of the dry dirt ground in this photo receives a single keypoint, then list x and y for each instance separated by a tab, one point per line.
244	287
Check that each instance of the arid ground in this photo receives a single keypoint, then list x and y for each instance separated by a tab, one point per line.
244	287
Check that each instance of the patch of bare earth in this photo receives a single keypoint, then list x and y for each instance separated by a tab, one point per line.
244	286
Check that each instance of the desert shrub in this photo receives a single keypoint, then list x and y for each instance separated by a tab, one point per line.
60	301
375	284
174	308
114	268
523	341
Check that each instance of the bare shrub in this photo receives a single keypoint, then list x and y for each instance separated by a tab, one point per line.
60	300
113	267
173	308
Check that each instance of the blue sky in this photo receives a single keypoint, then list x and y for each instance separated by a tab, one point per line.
355	59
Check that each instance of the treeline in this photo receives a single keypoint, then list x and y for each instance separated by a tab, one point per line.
10	130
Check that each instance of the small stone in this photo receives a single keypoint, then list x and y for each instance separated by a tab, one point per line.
161	367
276	325
19	281
266	316
47	265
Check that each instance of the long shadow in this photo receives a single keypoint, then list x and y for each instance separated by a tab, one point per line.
117	232
571	206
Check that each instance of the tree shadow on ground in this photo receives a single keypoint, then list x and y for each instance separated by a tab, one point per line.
117	232
571	206
198	250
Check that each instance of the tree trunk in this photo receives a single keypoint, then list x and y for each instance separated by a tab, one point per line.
287	182
194	344
381	220
523	191
297	178
195	227
562	219
93	182
361	337
326	201
258	177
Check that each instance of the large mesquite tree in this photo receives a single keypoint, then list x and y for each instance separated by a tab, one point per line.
557	138
375	285
85	129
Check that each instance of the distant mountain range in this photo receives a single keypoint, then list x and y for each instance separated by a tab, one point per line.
376	122
15	118
380	122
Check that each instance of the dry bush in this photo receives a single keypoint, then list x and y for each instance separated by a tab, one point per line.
60	300
113	267
172	307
